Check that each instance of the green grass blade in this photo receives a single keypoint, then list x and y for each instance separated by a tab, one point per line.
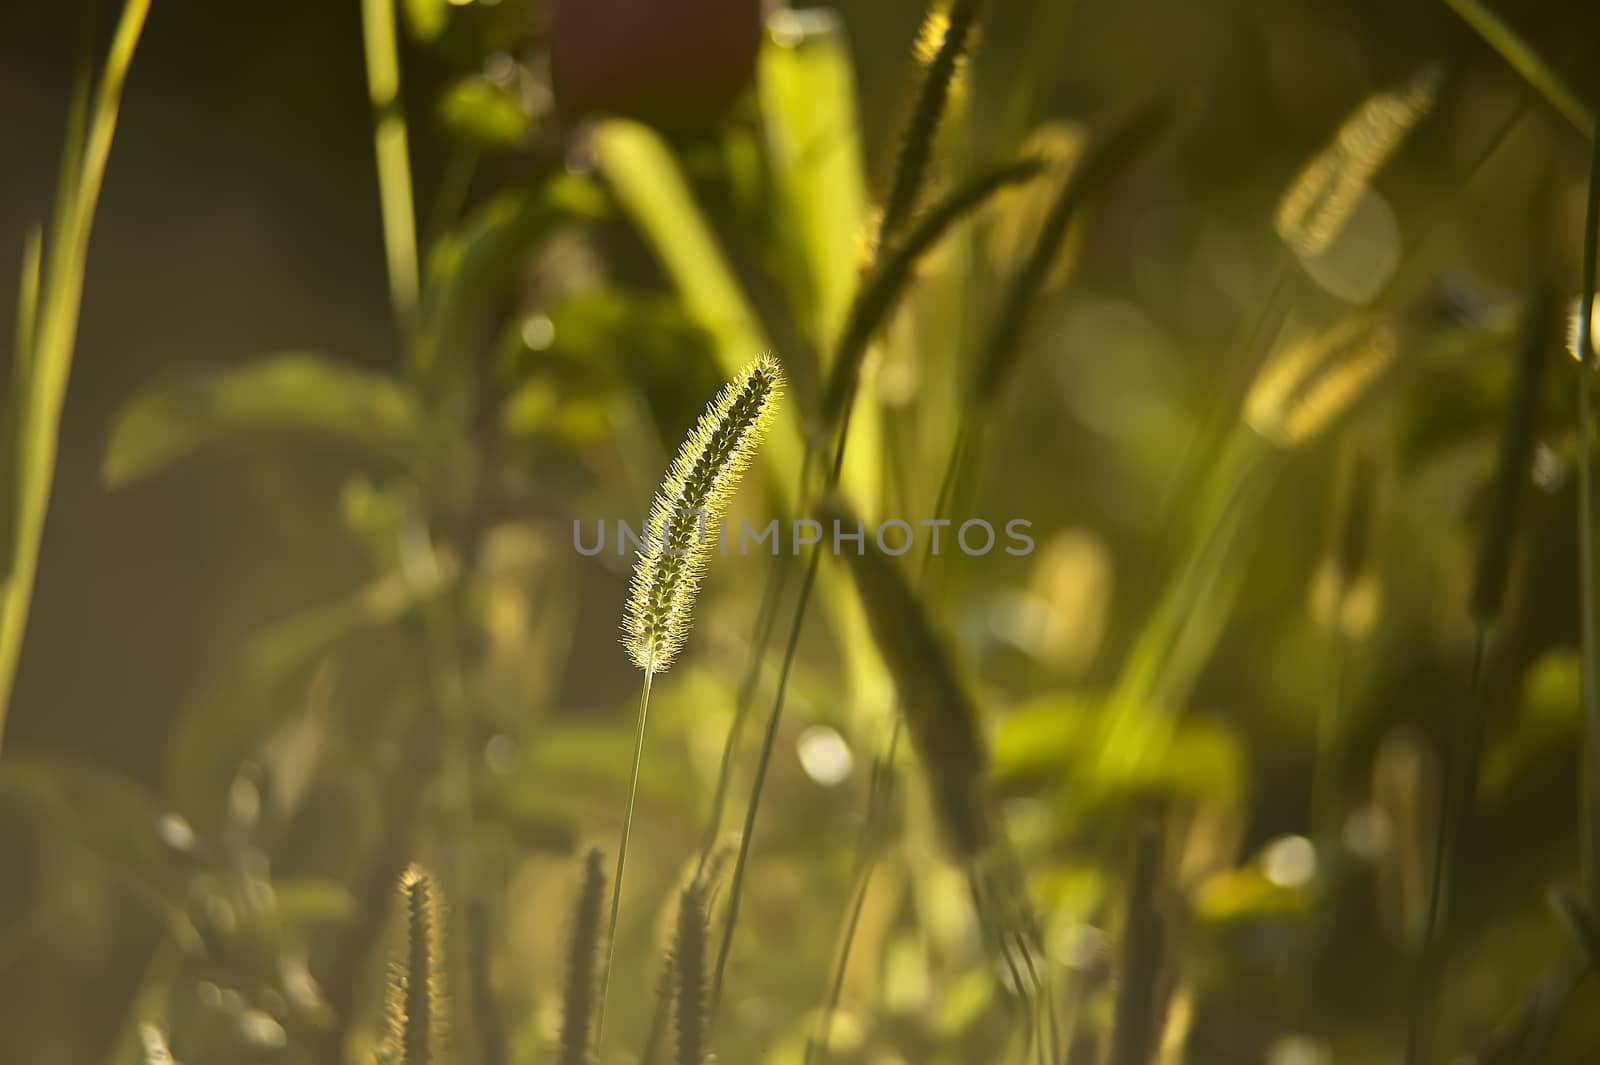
60	298
292	391
391	145
14	410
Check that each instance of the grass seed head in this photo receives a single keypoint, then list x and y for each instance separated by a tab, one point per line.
689	971
578	997
415	999
688	510
1322	197
1309	383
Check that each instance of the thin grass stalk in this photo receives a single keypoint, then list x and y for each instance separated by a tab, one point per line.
766	621
867	865
13	410
1519	436
1452	817
1526	62
622	855
1589	612
50	361
393	155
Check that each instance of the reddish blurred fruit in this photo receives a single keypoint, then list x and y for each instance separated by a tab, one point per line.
674	60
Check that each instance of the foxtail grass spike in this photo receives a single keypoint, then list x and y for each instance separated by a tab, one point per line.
683	531
1305	386
1323	196
687	514
1107	152
943	61
940	717
578	998
689	967
881	290
1518	439
416	981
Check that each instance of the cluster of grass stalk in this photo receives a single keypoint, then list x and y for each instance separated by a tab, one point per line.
1303	389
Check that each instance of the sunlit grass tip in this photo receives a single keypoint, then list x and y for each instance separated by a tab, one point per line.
1323	195
688	510
415	1007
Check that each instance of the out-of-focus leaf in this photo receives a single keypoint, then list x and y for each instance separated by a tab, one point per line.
235	712
309	902
570	765
425	19
94	806
527	819
482	113
473	271
1092	752
292	391
1246	895
1548	724
808	99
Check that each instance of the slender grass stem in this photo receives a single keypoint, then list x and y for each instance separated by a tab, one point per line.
867	864
1589	613
392	150
1526	62
1455	812
766	622
622	857
60	297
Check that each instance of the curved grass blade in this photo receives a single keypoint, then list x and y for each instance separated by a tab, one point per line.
916	149
881	290
1106	154
56	331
